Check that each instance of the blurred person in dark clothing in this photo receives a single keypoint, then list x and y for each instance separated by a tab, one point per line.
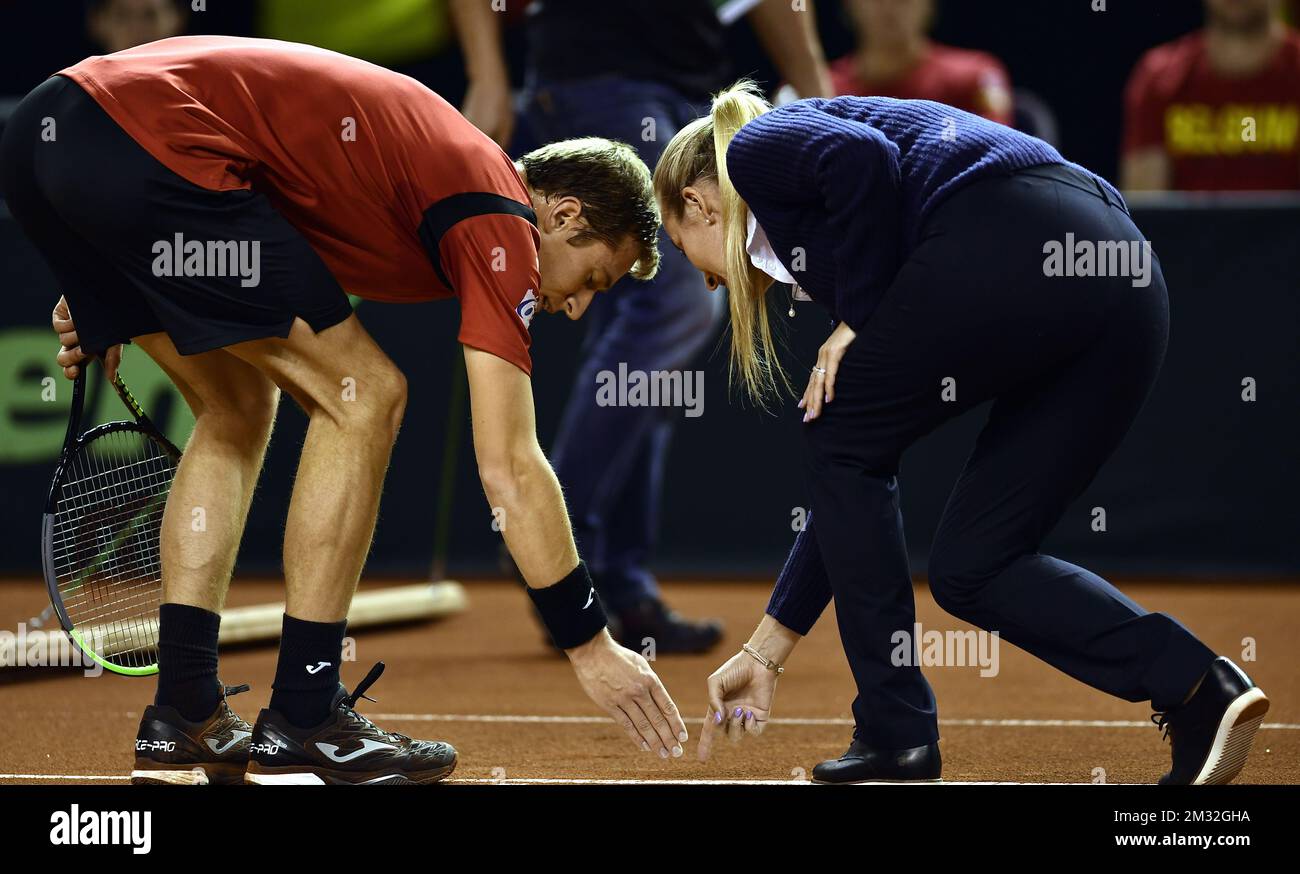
1219	108
635	71
895	58
115	25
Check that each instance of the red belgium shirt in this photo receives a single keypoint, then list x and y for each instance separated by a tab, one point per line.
402	198
1220	134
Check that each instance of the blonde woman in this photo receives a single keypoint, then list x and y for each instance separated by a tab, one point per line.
936	240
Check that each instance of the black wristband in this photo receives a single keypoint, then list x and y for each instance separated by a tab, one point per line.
570	609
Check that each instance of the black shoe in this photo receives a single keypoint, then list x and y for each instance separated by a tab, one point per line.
861	764
671	632
1210	735
171	749
346	748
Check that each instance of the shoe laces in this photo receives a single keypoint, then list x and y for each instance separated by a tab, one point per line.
349	703
1163	719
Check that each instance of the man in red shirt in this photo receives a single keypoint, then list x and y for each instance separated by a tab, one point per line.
894	58
213	200
1218	109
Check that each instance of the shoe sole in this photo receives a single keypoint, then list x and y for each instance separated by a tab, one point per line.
1233	740
291	776
147	774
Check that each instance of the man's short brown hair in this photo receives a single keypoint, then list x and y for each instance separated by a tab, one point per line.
614	185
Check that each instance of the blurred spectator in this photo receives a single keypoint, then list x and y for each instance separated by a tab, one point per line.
895	58
1218	109
413	37
636	71
115	25
387	32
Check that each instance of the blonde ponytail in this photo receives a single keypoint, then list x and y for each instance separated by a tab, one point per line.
699	152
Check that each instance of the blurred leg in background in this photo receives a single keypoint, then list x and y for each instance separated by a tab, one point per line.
610	459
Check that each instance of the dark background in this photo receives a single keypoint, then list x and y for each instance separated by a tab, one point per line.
1205	484
1075	59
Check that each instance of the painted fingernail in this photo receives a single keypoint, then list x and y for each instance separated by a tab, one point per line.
663	753
801	403
749	714
683	736
805	416
677	752
828	399
717	718
739	711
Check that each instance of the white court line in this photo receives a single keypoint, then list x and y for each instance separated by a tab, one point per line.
601	720
559	781
524	719
64	777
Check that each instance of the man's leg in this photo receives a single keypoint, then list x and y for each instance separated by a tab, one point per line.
354	397
234	410
632	522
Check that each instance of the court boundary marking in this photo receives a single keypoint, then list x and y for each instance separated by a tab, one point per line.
788	720
517	719
536	719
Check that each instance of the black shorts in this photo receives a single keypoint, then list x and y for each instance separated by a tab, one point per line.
137	249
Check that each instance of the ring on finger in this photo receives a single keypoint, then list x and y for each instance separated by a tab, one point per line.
819	370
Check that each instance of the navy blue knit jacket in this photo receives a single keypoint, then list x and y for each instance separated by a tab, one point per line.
843	188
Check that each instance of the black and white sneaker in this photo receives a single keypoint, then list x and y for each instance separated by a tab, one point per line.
346	748
1211	735
171	749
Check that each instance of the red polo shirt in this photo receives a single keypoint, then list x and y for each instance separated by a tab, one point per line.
970	80
356	157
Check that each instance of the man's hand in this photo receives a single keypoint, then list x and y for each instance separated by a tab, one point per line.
70	355
740	701
625	687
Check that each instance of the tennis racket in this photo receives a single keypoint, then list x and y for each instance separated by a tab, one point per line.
100	534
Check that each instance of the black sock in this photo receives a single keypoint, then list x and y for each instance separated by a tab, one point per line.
187	660
307	676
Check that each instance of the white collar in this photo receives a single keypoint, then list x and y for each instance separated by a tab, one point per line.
760	251
762	256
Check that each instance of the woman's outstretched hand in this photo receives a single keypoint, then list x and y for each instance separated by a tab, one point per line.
740	701
821	383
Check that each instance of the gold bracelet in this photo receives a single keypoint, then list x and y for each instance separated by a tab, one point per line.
763	660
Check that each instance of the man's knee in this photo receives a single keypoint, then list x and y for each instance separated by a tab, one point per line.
372	402
248	412
254	405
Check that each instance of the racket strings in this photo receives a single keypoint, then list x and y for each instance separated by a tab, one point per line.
105	542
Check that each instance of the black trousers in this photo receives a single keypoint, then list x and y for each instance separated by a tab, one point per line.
1068	361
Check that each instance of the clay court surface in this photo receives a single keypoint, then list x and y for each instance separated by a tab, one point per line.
483	681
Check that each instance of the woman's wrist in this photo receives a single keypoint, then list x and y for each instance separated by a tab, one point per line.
773	640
